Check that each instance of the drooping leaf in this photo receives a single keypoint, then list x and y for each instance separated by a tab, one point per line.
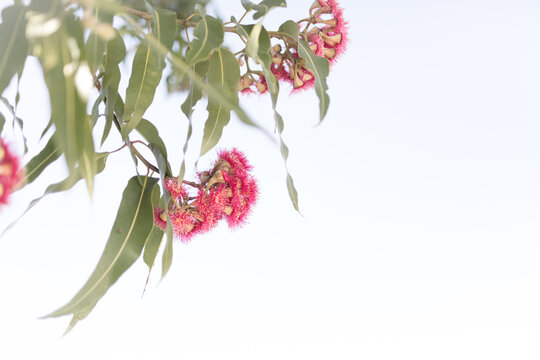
96	44
151	247
208	36
223	73
319	66
133	224
262	56
61	58
115	51
38	163
148	66
151	135
194	95
166	260
13	43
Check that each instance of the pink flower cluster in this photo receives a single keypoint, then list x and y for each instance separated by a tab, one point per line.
326	33
227	191
329	40
9	172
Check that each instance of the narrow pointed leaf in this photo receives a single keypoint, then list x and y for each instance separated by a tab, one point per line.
131	228
195	94
13	43
61	59
115	52
319	66
151	247
223	73
263	7
38	163
96	44
208	36
2	122
148	66
151	135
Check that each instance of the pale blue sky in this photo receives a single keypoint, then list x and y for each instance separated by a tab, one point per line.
421	201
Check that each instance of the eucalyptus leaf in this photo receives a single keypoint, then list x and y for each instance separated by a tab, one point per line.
319	66
38	163
13	43
96	44
208	36
60	51
148	66
151	247
133	224
194	95
223	73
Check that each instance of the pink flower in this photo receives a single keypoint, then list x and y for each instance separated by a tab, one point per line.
177	191
247	85
160	219
331	41
10	174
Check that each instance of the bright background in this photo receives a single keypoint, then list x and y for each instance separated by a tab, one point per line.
420	195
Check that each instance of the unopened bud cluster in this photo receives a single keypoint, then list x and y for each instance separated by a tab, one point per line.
326	35
227	191
9	172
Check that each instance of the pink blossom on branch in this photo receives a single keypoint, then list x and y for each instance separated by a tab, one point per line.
227	191
10	174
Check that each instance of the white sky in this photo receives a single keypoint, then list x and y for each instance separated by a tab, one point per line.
421	201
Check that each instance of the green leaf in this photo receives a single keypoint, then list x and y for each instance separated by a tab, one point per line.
2	122
129	233
208	36
180	66
166	260
38	163
115	52
151	135
195	94
289	28
148	66
60	59
319	66
96	45
223	73
263	7
13	43
263	57
151	247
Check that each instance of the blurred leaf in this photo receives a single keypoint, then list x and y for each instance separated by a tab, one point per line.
13	43
60	59
319	66
2	122
115	52
263	7
38	163
223	73
208	36
166	260
195	94
129	233
79	316
148	66
96	44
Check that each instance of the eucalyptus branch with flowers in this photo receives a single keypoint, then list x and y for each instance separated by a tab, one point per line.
80	48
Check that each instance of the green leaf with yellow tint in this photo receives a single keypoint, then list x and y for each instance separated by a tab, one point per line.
208	36
223	74
38	163
131	229
148	66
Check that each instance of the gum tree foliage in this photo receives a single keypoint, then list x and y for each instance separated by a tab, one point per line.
80	48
